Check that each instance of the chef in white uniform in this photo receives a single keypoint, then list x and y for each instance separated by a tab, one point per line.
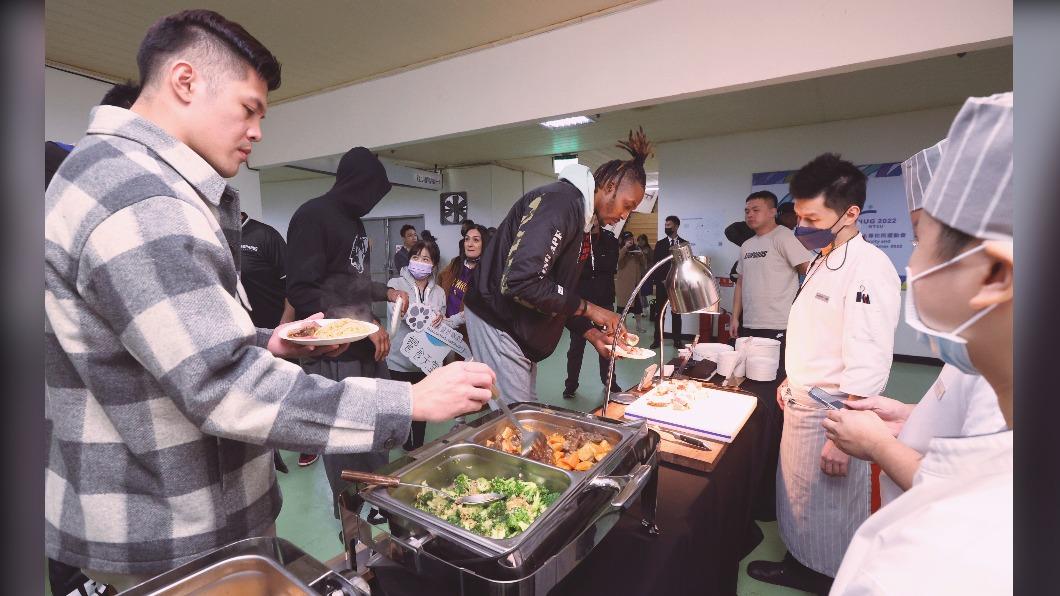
951	533
958	404
840	339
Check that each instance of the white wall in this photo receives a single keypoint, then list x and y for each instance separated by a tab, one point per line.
666	49
710	177
68	98
249	187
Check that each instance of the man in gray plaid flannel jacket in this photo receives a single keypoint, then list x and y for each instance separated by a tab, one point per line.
163	399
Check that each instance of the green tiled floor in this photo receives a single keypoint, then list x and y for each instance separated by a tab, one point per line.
307	519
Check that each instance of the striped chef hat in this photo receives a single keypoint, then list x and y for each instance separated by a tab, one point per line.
972	189
917	171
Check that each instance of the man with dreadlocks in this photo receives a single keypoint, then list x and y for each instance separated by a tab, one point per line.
525	287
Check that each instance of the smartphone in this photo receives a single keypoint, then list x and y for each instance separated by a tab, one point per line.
828	400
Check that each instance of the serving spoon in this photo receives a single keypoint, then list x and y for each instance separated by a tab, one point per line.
381	480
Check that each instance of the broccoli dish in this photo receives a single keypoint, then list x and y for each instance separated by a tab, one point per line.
523	503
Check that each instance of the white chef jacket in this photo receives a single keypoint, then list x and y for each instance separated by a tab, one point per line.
836	339
956	405
951	533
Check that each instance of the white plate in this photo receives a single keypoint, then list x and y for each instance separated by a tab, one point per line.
643	354
330	341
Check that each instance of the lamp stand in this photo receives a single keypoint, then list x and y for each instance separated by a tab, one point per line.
625	312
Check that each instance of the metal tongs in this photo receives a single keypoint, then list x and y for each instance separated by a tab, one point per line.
380	480
527	438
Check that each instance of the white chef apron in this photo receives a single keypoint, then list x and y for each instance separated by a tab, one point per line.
818	514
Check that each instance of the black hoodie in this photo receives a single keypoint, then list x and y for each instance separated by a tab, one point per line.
526	282
328	267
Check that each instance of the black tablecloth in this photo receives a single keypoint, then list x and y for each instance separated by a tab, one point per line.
706	522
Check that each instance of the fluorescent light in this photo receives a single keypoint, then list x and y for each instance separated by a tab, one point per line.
561	161
568	122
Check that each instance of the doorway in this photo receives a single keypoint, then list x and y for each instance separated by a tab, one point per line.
385	239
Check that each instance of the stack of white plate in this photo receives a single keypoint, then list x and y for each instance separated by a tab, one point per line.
710	351
763	358
761	368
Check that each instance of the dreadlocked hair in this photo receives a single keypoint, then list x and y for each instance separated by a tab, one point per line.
616	170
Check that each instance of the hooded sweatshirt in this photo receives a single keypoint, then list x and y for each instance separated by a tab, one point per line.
328	266
527	281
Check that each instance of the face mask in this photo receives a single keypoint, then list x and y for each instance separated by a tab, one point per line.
949	346
670	232
815	238
420	270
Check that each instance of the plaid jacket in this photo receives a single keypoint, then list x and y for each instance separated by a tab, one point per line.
162	401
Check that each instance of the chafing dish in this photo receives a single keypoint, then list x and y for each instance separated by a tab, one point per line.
535	560
265	566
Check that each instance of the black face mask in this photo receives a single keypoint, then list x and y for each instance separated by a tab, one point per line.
670	232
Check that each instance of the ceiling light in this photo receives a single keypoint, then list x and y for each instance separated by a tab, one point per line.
568	122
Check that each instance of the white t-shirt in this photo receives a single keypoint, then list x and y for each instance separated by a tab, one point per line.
949	534
956	405
841	327
768	277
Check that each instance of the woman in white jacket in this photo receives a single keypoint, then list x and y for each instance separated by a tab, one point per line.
417	280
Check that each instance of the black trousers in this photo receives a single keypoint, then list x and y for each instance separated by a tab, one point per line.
601	292
675	320
765	509
418	430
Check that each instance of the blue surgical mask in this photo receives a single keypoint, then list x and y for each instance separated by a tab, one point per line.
948	346
420	270
816	238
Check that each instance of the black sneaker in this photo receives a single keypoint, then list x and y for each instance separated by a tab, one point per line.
654	345
568	394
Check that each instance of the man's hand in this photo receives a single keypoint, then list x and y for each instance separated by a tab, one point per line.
381	341
833	461
452	390
603	317
780	394
283	348
393	295
602	342
856	433
891	411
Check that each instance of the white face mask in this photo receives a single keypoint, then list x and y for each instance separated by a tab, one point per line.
949	346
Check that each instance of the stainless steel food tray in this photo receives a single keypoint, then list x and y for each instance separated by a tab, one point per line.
263	565
539	557
549	422
443	467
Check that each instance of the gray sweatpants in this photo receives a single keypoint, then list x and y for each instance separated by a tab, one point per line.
516	374
334	464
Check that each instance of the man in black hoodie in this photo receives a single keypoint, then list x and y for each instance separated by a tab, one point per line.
525	287
328	270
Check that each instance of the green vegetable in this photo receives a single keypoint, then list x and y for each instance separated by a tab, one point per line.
523	503
462	485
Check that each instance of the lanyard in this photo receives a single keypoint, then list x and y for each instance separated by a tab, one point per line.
811	271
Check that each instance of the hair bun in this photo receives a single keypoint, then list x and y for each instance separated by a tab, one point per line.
638	146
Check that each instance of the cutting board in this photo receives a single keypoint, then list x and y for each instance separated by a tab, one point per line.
717	414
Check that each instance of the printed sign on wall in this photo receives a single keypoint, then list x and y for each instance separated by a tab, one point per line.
885	219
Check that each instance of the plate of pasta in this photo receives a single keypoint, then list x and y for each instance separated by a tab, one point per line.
328	332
